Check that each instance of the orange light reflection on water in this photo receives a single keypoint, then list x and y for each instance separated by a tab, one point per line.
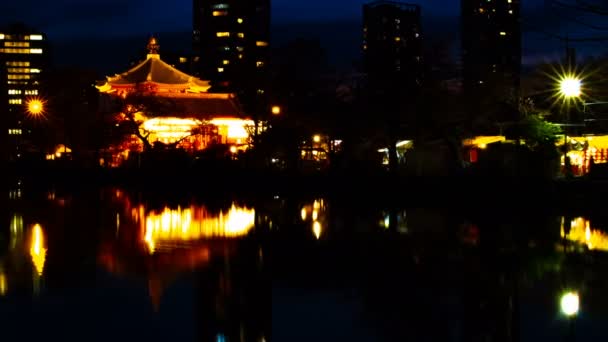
171	226
581	232
37	250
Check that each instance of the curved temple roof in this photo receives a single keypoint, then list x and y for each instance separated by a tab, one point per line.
154	71
168	82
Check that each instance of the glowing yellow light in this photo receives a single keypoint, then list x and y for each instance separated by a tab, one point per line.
316	138
236	128
3	284
570	303
233	149
276	110
316	229
37	250
483	146
1	36
169	227
303	214
261	43
223	34
219	13
35	106
170	129
316	204
35	37
315	215
239	20
503	33
581	232
570	87
225	62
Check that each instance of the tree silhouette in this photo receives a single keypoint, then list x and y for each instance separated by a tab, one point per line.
142	103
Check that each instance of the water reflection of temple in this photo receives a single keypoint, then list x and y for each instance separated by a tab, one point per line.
214	247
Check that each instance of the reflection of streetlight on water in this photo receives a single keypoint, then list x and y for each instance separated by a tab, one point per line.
569	305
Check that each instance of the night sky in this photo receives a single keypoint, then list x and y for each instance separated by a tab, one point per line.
75	18
78	23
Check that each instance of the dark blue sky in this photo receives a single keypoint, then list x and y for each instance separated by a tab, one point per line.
74	21
64	19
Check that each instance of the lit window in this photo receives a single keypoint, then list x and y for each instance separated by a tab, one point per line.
259	64
503	33
481	10
260	91
15	101
240	56
18	64
17	44
183	59
397	39
1	36
18	77
509	1
221	6
23	71
226	48
14	92
225	62
223	34
36	37
220	69
219	13
240	48
241	35
239	20
37	51
31	92
14	131
261	43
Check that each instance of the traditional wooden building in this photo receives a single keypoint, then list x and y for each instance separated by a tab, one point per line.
195	119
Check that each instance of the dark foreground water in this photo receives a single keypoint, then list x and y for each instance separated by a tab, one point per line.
113	265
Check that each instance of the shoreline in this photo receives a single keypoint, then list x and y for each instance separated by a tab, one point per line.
457	191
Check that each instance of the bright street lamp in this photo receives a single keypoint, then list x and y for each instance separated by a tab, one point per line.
570	86
35	107
276	110
569	304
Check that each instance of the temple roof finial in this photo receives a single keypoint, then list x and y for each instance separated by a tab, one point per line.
153	46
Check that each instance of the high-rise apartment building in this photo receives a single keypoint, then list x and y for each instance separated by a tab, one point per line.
231	45
392	43
491	41
23	60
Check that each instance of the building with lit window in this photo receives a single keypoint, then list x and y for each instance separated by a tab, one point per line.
491	42
196	118
231	46
392	43
23	59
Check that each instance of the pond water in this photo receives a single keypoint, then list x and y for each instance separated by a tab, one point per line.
105	264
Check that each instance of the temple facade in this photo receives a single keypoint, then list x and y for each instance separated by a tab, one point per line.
163	106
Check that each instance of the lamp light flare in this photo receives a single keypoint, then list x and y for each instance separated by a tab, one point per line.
35	107
276	110
570	86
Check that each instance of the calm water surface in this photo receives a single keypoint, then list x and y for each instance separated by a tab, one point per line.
108	264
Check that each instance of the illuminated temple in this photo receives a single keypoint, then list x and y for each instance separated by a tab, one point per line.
199	118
